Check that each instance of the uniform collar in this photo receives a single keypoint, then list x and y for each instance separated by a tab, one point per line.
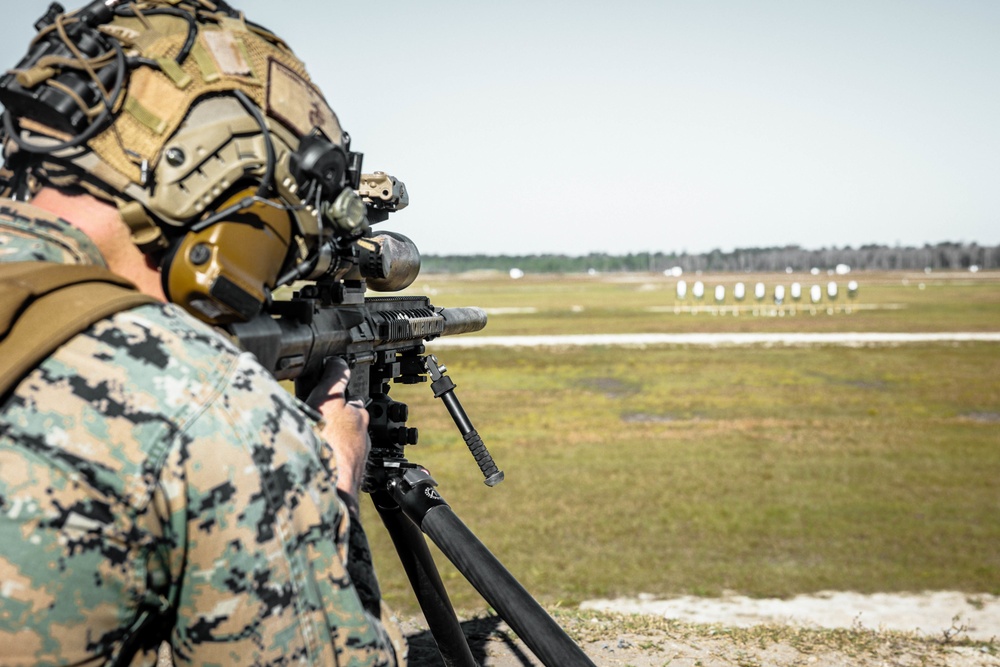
28	233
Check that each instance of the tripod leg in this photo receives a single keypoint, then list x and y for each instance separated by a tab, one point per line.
428	588
420	502
515	605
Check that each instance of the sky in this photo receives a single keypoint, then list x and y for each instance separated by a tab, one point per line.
658	126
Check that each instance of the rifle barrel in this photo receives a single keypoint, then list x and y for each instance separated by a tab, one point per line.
466	319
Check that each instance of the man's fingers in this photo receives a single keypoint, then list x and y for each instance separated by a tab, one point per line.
334	366
332	384
338	374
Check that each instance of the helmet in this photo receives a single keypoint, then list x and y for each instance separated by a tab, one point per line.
205	131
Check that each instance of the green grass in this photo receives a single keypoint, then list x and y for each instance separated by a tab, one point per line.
768	471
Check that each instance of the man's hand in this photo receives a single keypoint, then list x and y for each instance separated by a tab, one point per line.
345	428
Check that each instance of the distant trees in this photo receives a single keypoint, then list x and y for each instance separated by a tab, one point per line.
943	256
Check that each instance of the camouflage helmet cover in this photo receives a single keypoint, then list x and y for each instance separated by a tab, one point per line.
179	138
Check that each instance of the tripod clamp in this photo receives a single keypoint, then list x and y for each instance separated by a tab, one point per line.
414	490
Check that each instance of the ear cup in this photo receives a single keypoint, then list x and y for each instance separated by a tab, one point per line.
224	273
166	260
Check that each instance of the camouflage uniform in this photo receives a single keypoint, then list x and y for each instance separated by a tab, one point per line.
148	468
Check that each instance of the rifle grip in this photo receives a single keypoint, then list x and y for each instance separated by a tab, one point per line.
478	448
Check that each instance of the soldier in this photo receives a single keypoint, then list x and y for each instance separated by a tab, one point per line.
157	486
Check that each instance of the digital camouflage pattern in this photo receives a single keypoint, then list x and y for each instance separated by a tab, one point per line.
148	469
28	234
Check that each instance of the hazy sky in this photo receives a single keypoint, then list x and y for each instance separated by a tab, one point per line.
627	126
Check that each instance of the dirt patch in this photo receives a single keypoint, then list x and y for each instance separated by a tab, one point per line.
983	417
609	386
806	631
645	418
930	614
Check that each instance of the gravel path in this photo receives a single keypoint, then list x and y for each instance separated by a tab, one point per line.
718	339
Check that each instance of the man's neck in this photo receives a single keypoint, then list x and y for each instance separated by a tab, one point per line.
101	222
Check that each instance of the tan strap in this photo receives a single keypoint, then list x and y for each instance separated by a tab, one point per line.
209	72
174	72
144	232
43	305
144	115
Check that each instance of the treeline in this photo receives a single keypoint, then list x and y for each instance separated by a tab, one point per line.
943	256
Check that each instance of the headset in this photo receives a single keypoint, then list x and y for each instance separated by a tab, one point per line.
250	185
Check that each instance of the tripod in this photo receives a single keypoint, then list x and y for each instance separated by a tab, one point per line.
410	507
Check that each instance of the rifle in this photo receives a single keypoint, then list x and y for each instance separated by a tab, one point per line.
382	339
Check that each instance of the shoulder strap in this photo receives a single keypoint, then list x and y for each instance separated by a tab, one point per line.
43	305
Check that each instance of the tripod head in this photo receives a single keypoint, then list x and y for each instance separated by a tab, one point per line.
387	427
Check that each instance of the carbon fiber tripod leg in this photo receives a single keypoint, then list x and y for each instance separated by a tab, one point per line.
415	494
427	586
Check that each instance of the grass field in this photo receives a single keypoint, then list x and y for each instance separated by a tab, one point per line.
767	471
